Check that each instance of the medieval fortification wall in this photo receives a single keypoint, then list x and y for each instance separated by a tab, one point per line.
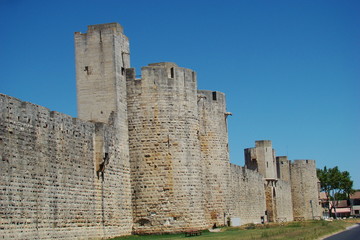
147	155
49	185
247	195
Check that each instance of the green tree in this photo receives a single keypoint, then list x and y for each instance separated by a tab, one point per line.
334	183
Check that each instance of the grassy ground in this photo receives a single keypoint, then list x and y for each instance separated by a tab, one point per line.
288	231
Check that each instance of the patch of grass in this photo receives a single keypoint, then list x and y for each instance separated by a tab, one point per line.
287	231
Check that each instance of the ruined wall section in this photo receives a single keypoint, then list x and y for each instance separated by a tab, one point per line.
164	147
50	189
215	155
247	195
305	191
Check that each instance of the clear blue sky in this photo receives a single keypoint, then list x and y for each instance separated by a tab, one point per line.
290	69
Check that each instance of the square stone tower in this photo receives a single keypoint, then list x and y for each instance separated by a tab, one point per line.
262	159
102	55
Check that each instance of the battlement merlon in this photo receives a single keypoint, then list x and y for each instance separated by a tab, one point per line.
114	27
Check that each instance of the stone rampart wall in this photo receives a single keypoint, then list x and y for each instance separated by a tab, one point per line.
246	195
50	189
283	200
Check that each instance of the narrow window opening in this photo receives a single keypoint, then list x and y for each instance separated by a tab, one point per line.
172	72
122	71
87	70
214	97
267	164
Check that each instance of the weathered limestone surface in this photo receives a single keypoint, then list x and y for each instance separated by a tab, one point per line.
48	179
283	200
102	55
247	195
214	155
165	157
148	155
283	168
304	189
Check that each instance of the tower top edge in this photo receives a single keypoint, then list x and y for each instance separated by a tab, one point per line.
263	143
163	64
115	27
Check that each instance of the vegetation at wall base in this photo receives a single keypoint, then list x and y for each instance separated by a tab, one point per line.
306	230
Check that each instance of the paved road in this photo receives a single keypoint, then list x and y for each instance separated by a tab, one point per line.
351	234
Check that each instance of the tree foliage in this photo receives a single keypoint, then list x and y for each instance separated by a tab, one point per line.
335	184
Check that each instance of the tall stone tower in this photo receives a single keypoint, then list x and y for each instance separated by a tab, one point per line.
102	55
262	159
305	190
164	147
215	155
283	168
